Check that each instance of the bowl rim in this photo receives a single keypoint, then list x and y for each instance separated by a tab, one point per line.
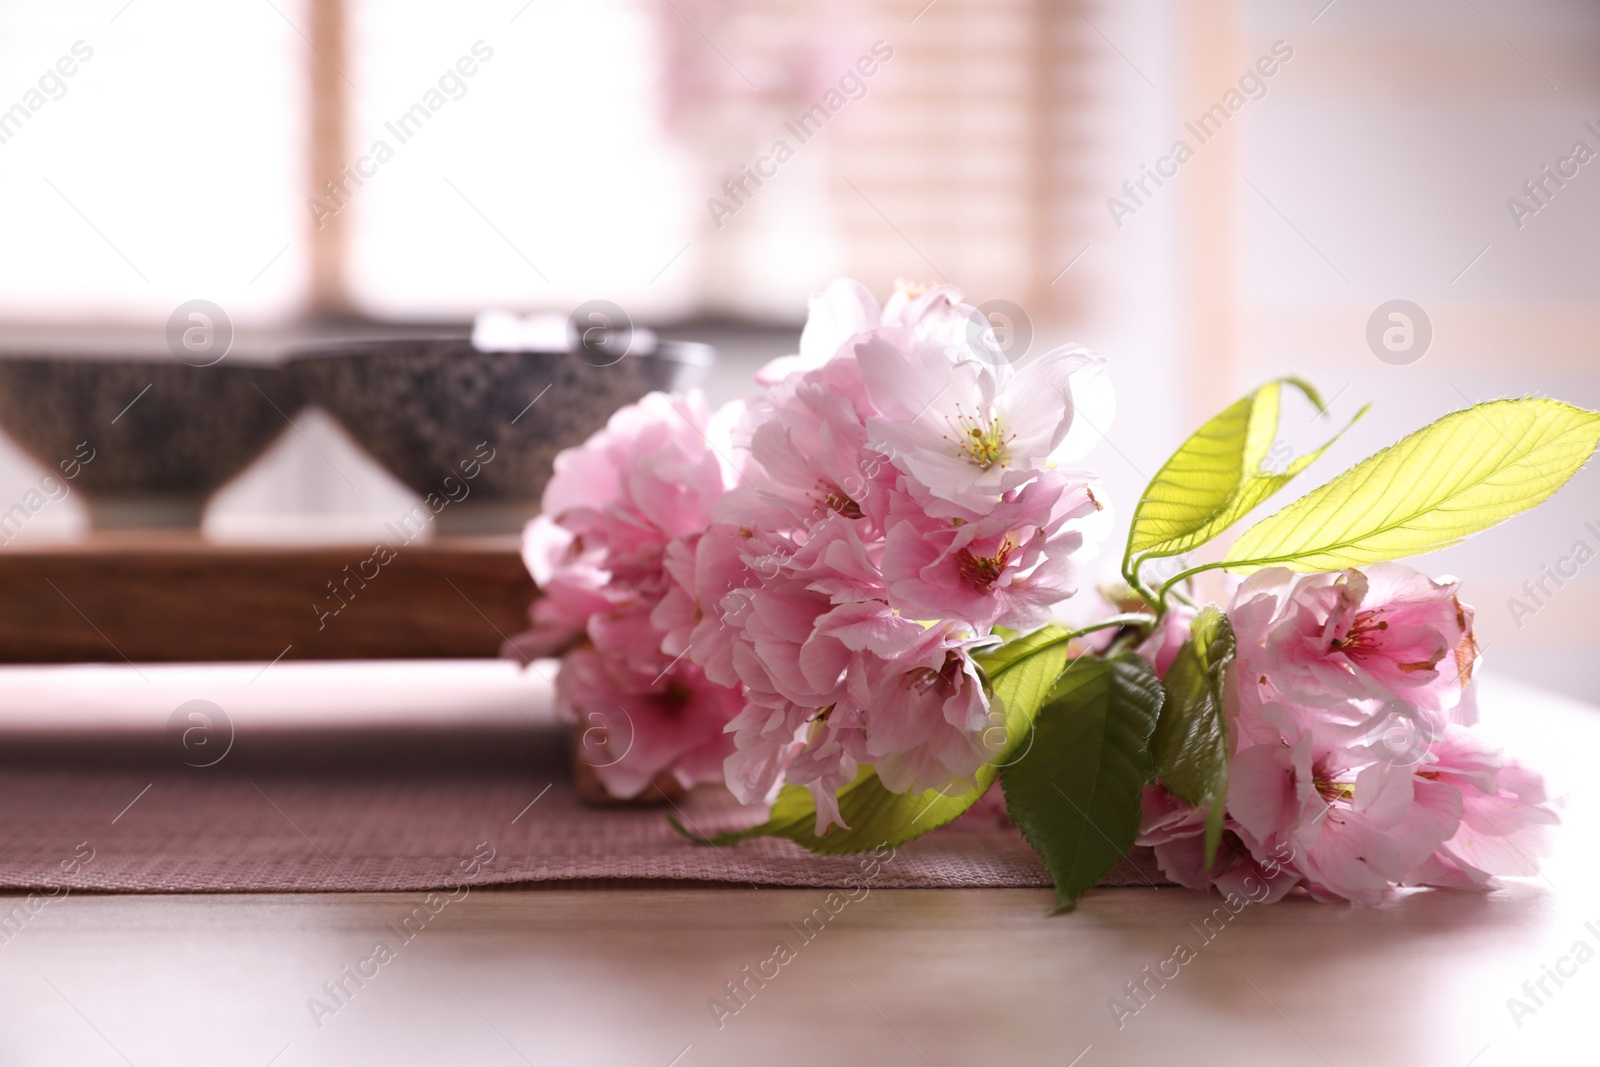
690	353
68	357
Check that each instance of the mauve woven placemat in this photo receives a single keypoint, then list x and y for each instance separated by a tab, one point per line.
395	810
402	810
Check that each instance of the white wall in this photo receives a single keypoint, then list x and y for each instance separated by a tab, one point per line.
1392	144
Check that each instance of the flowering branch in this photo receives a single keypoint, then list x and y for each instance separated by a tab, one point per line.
835	598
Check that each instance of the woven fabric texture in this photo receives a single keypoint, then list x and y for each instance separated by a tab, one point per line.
409	811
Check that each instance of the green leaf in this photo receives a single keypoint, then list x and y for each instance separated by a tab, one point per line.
1021	671
1190	745
1020	674
1075	794
875	815
1463	474
1216	477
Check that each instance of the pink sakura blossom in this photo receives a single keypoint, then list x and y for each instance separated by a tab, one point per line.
970	429
790	648
904	698
608	512
572	581
807	442
637	494
1349	773
1356	826
932	726
631	733
1505	816
833	676
807	644
1164	642
847	310
651	474
807	435
704	573
1004	568
1320	639
1176	833
1456	818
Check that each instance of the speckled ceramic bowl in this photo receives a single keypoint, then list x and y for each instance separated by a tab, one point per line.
431	409
160	436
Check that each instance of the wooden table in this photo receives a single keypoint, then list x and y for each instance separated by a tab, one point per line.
164	596
623	974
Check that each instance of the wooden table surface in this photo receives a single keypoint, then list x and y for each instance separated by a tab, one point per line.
624	975
165	596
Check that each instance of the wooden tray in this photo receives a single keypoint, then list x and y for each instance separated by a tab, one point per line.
175	597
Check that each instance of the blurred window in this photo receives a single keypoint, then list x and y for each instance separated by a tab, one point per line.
415	161
151	153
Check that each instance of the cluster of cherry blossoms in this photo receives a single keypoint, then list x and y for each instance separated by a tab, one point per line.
1353	767
845	586
811	570
642	487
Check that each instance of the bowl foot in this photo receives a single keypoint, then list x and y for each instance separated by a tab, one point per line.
146	512
476	518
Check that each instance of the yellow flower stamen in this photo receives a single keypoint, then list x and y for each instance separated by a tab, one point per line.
981	441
